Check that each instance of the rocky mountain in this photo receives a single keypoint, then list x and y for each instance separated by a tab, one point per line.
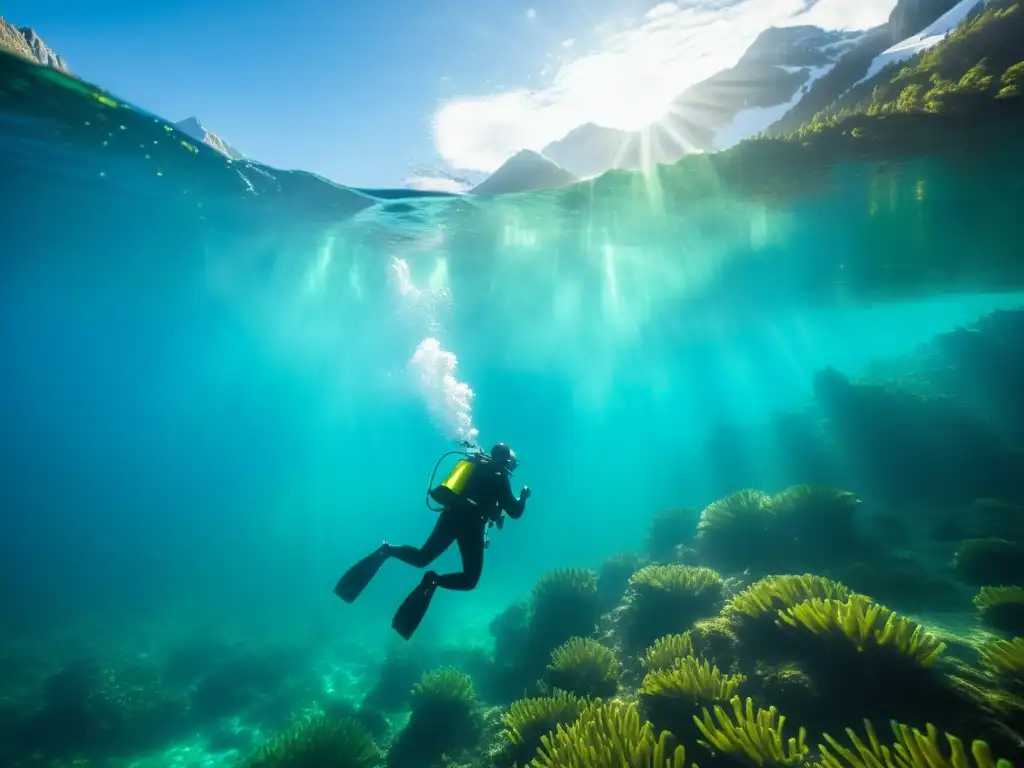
193	127
523	172
24	41
786	76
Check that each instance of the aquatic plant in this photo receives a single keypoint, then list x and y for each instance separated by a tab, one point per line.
444	689
767	596
912	749
584	667
821	509
864	624
664	599
1002	608
753	738
671	696
666	650
319	741
984	562
692	679
1004	656
731	531
609	735
715	639
444	720
527	720
564	604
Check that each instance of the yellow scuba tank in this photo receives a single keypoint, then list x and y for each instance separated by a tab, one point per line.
454	486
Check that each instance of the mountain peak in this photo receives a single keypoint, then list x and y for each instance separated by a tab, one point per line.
26	42
526	170
193	126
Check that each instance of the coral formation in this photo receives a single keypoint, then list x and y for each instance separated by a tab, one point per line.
584	667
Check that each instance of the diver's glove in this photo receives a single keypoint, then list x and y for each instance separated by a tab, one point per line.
500	522
525	493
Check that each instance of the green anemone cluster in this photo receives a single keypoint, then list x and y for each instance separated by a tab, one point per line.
442	689
767	596
319	741
609	735
1002	608
666	650
584	667
865	623
666	599
912	749
752	737
692	679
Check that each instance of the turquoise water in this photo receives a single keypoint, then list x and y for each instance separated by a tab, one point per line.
213	401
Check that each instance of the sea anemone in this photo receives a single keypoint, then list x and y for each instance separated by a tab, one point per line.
671	696
609	735
864	624
319	741
666	650
444	719
912	749
1002	608
528	720
665	599
731	531
751	737
584	667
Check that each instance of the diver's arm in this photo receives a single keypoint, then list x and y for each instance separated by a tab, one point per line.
512	506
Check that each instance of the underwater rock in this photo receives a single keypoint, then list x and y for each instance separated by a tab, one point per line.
990	562
957	456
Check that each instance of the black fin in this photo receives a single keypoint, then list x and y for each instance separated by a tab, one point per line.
351	585
412	610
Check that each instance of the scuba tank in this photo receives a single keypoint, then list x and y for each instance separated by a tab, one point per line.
454	485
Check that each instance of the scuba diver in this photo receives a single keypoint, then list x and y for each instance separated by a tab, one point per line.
472	498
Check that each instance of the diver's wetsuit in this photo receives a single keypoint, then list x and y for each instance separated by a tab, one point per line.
464	523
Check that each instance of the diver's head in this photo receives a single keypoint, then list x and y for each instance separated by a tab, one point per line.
504	456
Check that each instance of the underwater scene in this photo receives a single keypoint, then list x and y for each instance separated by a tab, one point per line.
767	404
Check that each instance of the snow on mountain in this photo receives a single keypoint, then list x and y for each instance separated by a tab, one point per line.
193	127
927	38
750	122
785	77
524	171
25	42
771	77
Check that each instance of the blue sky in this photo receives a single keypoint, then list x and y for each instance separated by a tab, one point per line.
371	93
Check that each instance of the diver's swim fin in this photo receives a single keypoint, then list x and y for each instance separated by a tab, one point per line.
351	585
410	613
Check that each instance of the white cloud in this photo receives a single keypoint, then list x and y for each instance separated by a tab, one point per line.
568	43
631	79
435	184
531	13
